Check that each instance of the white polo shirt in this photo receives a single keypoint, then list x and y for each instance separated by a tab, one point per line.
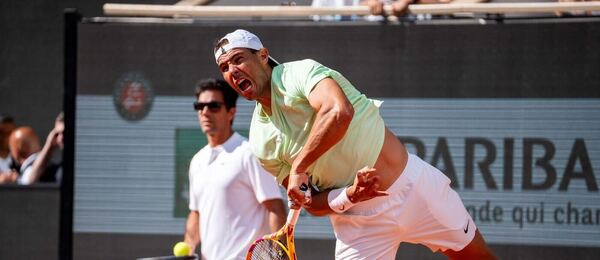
227	191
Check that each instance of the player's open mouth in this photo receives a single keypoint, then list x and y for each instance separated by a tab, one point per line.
244	84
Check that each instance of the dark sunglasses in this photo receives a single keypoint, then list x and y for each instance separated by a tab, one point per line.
213	106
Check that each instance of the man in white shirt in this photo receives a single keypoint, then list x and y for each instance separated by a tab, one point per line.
233	200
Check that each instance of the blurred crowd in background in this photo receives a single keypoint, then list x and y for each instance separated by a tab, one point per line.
23	160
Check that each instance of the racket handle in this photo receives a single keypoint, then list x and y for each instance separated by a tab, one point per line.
293	216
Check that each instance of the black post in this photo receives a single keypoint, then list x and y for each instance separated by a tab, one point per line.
72	19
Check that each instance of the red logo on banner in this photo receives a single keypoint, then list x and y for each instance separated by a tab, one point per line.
133	96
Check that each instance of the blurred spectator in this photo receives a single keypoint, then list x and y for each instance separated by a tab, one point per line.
577	13
24	147
48	165
7	125
333	3
399	7
7	165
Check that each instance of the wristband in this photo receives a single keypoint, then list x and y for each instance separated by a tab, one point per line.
338	200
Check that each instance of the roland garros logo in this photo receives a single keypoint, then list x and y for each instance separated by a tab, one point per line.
133	96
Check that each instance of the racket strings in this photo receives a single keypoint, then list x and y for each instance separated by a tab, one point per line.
269	250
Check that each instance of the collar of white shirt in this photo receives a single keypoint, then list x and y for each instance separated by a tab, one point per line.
234	141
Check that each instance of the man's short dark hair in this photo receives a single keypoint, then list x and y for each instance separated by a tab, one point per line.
229	95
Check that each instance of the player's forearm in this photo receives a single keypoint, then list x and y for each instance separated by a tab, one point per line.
192	240
276	213
319	205
276	221
366	186
330	125
192	230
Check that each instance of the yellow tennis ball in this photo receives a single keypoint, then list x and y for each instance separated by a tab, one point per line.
181	249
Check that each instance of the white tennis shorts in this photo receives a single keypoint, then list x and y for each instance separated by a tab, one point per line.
421	208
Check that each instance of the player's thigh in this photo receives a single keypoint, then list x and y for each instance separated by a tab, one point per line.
360	241
369	233
438	218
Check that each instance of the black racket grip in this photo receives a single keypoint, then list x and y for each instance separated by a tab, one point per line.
303	187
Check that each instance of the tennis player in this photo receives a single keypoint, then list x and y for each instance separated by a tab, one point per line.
312	126
233	200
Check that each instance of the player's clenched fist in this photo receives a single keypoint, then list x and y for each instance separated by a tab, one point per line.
297	190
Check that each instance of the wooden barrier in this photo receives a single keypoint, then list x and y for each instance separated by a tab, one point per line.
295	11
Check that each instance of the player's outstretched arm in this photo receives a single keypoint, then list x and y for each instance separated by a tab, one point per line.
365	187
333	116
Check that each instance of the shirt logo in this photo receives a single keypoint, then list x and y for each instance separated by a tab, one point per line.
467	228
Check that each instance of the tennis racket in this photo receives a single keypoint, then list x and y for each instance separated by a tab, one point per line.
279	245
